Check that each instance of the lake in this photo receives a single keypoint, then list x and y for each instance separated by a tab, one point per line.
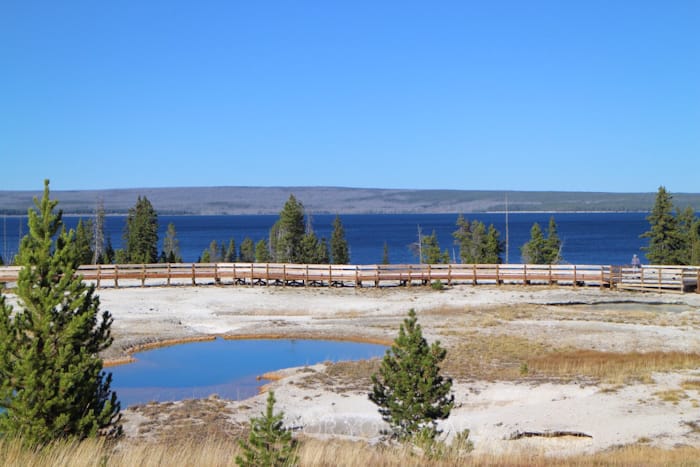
229	368
588	238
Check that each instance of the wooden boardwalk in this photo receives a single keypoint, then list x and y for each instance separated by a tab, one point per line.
650	278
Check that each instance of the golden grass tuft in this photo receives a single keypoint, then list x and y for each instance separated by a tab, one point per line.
691	384
613	367
505	357
313	452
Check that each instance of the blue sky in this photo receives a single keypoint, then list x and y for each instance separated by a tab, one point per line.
501	95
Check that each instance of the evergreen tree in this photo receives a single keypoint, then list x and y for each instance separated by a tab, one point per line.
695	243
99	234
534	251
385	254
552	252
171	245
494	247
231	256
247	250
84	241
340	253
205	257
409	391
51	380
141	233
109	254
262	252
477	245
269	442
689	234
324	252
665	240
430	250
288	232
313	250
2	263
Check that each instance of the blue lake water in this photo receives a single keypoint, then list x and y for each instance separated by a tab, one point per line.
588	238
228	368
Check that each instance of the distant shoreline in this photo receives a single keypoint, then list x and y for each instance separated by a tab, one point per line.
466	214
331	200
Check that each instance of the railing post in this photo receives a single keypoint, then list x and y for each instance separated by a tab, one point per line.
525	281
357	277
474	279
169	270
306	282
549	278
116	276
449	274
267	273
252	273
99	275
216	274
575	281
194	282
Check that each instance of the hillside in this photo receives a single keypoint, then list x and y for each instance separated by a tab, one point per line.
269	200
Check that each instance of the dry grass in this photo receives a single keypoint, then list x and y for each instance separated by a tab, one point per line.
343	376
491	357
506	357
671	395
186	451
193	419
691	384
611	367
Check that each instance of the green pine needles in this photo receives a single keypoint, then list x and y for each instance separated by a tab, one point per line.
410	392
269	443
51	380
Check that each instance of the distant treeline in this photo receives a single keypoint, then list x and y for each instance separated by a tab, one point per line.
331	200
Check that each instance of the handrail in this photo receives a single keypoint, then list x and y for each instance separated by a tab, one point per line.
647	277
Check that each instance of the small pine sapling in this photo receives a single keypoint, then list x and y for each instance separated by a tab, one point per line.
269	442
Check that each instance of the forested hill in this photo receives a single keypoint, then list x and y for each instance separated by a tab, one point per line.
319	200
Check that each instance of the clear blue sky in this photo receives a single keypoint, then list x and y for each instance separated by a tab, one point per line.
591	95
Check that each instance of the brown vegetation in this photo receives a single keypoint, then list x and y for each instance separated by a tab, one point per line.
220	452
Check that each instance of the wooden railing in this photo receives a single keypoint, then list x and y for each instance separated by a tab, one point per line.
656	278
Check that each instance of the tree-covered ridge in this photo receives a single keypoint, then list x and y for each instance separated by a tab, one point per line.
332	200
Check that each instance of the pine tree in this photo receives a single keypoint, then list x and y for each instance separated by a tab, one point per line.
552	248
84	241
141	233
409	391
340	253
385	254
665	241
98	248
51	380
247	250
230	256
109	254
494	247
269	442
430	250
477	245
534	251
171	245
211	254
289	232
262	252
